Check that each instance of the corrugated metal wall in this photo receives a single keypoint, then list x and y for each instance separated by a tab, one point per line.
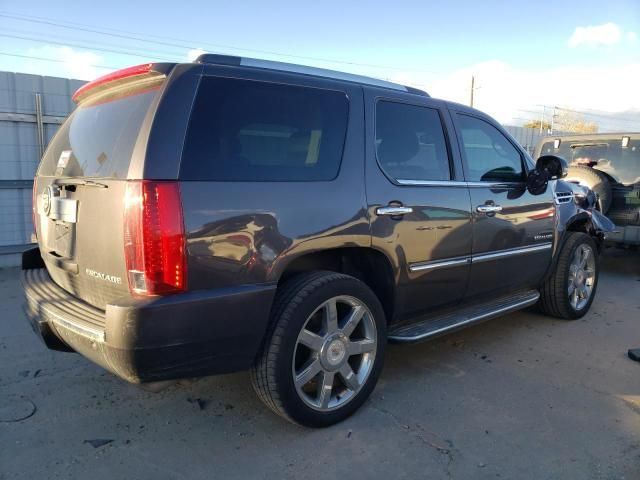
25	130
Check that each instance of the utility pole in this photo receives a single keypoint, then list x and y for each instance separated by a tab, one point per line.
542	119
553	119
473	81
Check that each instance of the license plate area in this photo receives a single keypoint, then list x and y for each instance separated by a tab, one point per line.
63	237
58	218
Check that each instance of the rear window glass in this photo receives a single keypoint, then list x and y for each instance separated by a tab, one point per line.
242	130
97	140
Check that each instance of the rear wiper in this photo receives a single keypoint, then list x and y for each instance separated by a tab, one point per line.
80	181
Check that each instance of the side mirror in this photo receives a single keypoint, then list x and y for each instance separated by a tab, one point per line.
548	167
552	167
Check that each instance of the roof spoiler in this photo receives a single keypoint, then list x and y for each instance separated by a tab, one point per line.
147	72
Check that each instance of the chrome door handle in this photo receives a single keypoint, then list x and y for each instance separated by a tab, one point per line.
488	208
393	210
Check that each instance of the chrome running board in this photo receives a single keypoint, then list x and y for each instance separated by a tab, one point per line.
427	327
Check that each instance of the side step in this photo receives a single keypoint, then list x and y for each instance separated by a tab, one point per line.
430	326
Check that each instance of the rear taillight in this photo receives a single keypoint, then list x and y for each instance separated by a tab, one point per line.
34	207
154	239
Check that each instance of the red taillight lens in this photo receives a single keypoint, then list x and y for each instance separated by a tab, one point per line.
154	239
34	206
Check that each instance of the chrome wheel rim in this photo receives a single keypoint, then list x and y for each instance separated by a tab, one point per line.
334	353
582	276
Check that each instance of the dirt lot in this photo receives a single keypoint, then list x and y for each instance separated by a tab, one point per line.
524	397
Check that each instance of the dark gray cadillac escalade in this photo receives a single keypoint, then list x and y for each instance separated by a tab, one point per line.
231	213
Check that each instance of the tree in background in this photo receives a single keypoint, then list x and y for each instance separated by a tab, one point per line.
538	124
569	121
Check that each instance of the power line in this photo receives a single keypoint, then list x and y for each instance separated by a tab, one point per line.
588	113
33	57
86	43
76	45
187	44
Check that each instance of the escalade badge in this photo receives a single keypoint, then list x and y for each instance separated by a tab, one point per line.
103	276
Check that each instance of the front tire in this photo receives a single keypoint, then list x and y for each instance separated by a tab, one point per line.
569	291
324	352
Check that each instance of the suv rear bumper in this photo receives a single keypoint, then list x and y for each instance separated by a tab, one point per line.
141	340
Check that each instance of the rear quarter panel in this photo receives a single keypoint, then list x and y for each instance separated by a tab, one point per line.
248	232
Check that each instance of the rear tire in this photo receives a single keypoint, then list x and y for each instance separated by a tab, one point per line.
569	291
324	351
595	180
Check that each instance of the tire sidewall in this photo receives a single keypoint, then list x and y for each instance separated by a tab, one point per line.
593	179
291	401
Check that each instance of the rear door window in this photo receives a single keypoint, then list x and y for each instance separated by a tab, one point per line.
244	130
488	155
410	142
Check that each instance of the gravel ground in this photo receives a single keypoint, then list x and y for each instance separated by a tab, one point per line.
521	397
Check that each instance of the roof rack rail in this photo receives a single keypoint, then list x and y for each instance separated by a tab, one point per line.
217	59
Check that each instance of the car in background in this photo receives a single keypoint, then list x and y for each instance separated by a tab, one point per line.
609	164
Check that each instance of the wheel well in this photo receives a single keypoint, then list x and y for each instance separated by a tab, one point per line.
584	225
366	264
580	225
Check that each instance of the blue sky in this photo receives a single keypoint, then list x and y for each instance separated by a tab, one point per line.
433	45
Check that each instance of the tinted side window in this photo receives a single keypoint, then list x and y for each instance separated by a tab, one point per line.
243	130
488	155
410	142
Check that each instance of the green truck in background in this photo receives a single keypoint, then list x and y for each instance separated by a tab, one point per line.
609	164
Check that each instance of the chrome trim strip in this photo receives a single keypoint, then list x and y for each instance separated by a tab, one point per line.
485	257
477	318
456	183
90	333
494	184
434	265
432	183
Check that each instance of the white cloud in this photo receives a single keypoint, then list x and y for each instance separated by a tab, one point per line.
511	94
68	63
606	34
194	53
631	36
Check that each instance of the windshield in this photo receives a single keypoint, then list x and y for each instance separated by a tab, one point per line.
97	140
